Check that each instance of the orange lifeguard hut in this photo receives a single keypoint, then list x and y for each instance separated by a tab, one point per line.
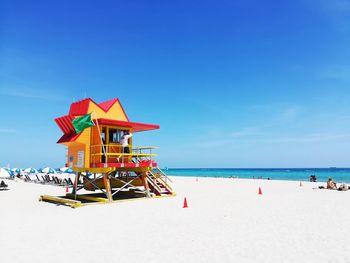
100	161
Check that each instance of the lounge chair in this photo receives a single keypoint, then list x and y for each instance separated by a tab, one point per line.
70	182
55	179
38	179
27	178
44	179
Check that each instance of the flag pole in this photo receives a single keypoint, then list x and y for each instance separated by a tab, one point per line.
99	132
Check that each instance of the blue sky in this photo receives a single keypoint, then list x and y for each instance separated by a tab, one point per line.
243	83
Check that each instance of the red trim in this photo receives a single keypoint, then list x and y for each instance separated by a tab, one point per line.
71	137
135	126
125	165
65	124
80	107
106	105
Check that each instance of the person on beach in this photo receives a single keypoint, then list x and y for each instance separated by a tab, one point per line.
331	184
124	141
343	187
313	178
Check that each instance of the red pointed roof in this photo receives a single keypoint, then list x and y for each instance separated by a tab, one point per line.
106	105
81	108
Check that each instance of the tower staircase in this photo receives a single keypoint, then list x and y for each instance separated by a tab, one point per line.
158	181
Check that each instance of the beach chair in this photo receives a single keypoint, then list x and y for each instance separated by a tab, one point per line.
27	178
70	182
57	180
44	179
66	182
38	179
50	180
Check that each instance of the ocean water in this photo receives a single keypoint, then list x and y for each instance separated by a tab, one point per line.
292	174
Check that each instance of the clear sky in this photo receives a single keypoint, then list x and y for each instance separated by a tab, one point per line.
234	83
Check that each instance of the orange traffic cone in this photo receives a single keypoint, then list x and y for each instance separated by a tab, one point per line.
260	192
67	189
185	203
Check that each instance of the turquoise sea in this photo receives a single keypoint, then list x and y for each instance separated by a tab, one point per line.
293	174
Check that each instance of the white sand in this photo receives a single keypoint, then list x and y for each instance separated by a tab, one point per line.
227	221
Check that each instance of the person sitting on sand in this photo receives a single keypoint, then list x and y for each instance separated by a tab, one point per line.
343	187
331	184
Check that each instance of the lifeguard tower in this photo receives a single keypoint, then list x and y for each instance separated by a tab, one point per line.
105	172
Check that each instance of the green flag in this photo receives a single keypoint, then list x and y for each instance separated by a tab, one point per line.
83	122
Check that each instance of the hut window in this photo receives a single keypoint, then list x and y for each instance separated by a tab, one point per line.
114	135
103	135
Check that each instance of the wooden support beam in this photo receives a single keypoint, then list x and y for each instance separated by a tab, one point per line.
60	200
75	184
107	185
145	183
90	198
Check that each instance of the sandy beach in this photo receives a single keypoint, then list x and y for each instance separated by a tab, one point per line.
226	221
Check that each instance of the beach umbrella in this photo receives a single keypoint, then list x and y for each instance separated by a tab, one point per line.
9	171
49	170
67	170
16	170
31	170
4	173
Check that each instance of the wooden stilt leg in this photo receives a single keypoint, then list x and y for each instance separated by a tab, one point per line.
75	185
107	187
145	183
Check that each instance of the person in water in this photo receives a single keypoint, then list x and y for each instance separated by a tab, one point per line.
313	178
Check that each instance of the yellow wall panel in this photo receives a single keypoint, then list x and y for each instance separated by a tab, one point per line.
96	140
114	113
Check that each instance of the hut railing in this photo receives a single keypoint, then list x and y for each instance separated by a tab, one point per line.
138	153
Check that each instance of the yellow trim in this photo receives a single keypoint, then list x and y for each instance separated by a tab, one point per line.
134	147
89	198
94	170
55	199
77	204
126	154
112	169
